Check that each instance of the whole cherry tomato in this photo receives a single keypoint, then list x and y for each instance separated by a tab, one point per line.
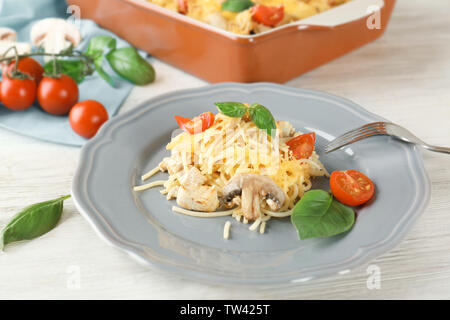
29	66
302	146
57	95
351	187
86	117
17	94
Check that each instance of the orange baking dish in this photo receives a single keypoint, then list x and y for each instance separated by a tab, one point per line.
217	55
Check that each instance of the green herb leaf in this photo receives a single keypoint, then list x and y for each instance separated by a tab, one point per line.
232	109
318	215
33	221
262	117
98	46
237	5
76	69
130	65
98	63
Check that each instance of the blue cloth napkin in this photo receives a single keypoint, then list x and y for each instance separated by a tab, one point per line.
34	122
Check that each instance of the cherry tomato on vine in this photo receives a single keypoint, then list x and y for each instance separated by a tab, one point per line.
29	66
86	117
267	15
17	94
302	146
351	187
57	95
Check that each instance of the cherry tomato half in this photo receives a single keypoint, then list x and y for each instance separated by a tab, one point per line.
351	187
86	117
197	124
302	146
17	94
182	6
29	66
266	15
57	95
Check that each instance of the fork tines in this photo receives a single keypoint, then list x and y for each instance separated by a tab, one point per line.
367	130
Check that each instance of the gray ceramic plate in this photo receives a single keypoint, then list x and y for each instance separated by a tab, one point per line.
143	224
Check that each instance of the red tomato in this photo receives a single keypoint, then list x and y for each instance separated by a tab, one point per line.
57	95
197	124
29	66
351	187
86	117
302	146
207	120
266	15
17	94
182	6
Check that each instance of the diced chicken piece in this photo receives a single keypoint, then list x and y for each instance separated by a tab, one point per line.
172	194
171	165
216	19
192	178
286	129
199	198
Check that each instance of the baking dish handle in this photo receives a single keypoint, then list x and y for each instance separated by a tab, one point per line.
345	13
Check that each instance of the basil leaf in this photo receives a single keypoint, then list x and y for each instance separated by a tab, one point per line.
98	63
232	109
76	69
236	5
318	215
98	46
130	65
262	117
33	221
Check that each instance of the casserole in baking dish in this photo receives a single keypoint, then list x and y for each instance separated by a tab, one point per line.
217	55
248	16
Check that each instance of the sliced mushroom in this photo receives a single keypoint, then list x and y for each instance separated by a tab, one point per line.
8	39
7	34
54	35
253	188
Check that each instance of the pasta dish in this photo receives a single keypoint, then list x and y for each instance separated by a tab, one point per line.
248	16
239	162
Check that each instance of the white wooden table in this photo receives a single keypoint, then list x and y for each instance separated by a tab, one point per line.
404	76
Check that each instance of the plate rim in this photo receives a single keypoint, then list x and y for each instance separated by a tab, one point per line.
143	254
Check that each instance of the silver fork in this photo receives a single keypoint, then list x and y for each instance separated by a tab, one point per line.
380	128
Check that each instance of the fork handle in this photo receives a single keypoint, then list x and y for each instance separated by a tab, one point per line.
437	149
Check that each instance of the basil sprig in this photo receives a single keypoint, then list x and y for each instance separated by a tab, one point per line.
260	115
318	215
101	50
236	5
232	109
76	69
33	221
97	48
